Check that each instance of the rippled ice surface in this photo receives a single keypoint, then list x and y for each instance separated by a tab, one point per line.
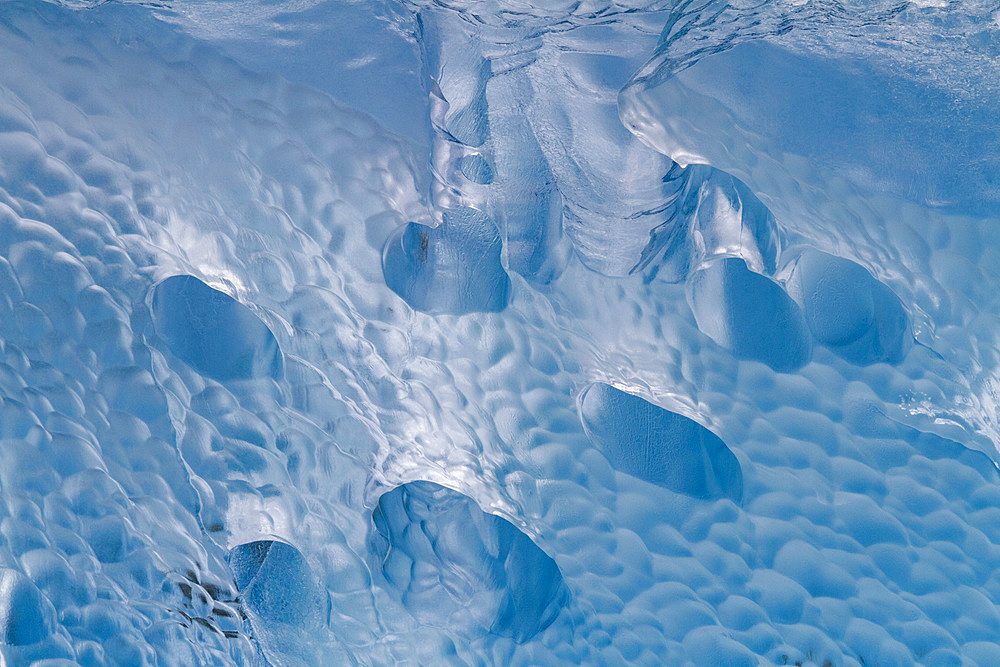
600	332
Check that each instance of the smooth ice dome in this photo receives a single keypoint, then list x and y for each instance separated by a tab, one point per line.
504	332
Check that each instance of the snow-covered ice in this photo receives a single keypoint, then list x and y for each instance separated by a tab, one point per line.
499	333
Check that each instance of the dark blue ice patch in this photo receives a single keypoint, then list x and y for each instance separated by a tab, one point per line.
212	332
659	446
749	314
453	268
22	620
477	169
275	582
446	556
850	311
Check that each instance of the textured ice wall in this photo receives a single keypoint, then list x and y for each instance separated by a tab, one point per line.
273	394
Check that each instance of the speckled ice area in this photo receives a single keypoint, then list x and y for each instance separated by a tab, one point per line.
499	333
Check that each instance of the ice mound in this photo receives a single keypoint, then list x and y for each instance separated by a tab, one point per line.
211	331
659	446
448	558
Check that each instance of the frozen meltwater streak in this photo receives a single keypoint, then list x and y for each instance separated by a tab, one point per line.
552	172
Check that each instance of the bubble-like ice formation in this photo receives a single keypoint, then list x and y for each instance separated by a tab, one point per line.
212	331
447	557
659	446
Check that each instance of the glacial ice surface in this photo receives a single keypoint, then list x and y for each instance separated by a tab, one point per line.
213	332
449	560
500	332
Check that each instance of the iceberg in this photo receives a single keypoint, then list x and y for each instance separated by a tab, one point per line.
499	332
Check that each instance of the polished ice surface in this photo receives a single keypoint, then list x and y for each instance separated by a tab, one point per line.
499	332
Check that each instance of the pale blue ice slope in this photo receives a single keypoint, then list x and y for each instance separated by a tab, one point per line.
499	333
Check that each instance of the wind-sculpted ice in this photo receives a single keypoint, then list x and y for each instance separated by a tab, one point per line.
488	376
452	562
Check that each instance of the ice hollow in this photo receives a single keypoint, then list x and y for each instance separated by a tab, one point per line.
849	310
213	332
22	617
659	446
453	268
447	558
749	314
276	582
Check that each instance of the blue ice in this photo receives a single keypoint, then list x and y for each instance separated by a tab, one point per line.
213	332
446	557
507	332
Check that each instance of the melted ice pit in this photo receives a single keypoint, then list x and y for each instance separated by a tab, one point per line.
449	559
213	332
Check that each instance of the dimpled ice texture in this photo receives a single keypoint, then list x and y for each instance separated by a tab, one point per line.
499	332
